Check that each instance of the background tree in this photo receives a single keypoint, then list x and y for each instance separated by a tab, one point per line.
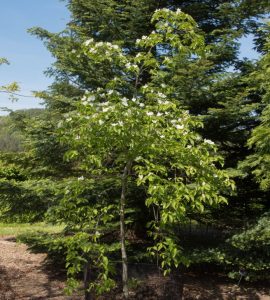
205	87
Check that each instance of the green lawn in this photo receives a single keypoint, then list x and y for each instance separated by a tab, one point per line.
15	229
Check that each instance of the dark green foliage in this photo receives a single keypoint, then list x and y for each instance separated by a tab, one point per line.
248	250
25	195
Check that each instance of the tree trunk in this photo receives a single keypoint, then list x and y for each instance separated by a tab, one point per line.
122	230
86	279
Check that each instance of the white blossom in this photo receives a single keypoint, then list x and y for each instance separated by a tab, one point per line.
92	50
149	113
81	178
100	122
91	98
161	95
141	105
159	114
179	126
124	101
209	142
88	42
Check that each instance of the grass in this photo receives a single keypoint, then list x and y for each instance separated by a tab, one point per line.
15	229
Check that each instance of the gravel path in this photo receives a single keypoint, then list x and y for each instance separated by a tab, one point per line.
23	275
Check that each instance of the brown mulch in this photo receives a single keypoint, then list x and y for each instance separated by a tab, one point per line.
193	287
25	276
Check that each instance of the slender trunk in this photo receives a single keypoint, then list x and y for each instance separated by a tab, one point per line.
86	279
122	230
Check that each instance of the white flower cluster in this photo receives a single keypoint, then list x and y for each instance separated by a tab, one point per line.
88	42
124	101
163	9
101	44
150	114
143	38
177	125
206	141
162	102
88	99
130	66
120	123
94	47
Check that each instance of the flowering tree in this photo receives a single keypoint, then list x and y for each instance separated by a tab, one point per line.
133	132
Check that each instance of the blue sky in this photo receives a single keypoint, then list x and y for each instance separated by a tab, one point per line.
27	55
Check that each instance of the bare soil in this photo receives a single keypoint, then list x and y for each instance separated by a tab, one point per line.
25	276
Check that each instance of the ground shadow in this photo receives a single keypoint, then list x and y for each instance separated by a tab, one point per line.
6	290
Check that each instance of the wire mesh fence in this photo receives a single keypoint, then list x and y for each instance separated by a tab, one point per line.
147	282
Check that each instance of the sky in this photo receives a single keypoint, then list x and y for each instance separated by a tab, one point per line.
27	55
